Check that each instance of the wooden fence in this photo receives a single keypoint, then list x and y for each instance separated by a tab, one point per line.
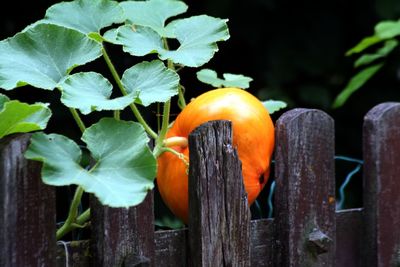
306	229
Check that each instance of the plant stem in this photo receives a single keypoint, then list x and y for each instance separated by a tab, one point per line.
84	217
176	141
78	119
181	98
117	115
123	91
158	117
164	129
181	156
72	215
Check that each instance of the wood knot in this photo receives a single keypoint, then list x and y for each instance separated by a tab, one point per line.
318	242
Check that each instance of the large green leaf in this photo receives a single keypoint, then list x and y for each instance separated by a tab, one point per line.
153	13
43	55
198	37
124	170
17	117
86	16
151	82
89	91
382	52
138	41
229	80
355	83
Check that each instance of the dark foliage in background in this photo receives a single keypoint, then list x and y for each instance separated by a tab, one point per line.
294	51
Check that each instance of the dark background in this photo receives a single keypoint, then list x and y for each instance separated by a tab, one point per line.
294	51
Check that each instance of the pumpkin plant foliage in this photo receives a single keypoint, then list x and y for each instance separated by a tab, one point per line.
45	56
373	51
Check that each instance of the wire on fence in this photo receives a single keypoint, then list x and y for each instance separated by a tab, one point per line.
342	194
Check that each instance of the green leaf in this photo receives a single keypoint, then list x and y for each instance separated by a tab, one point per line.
89	91
125	167
382	52
43	55
274	105
17	117
3	99
355	83
364	44
387	29
111	36
383	30
151	82
198	37
153	13
209	76
85	16
137	41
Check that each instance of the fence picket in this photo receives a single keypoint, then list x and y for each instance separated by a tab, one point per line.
123	237
349	237
27	208
219	218
305	189
381	146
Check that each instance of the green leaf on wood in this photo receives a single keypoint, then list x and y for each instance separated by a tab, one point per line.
355	83
209	76
43	55
86	16
274	105
89	91
153	13
151	82
382	52
17	117
124	170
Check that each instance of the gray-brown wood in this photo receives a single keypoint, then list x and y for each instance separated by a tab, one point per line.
262	243
349	236
171	248
27	208
171	245
305	189
219	217
74	254
381	144
123	237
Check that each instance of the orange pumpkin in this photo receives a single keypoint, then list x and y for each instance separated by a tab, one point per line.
253	136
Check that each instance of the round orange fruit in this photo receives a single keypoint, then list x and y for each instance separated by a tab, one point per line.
253	136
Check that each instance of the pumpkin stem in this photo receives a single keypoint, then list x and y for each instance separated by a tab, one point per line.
182	142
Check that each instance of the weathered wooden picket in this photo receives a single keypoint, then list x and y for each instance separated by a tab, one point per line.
306	229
